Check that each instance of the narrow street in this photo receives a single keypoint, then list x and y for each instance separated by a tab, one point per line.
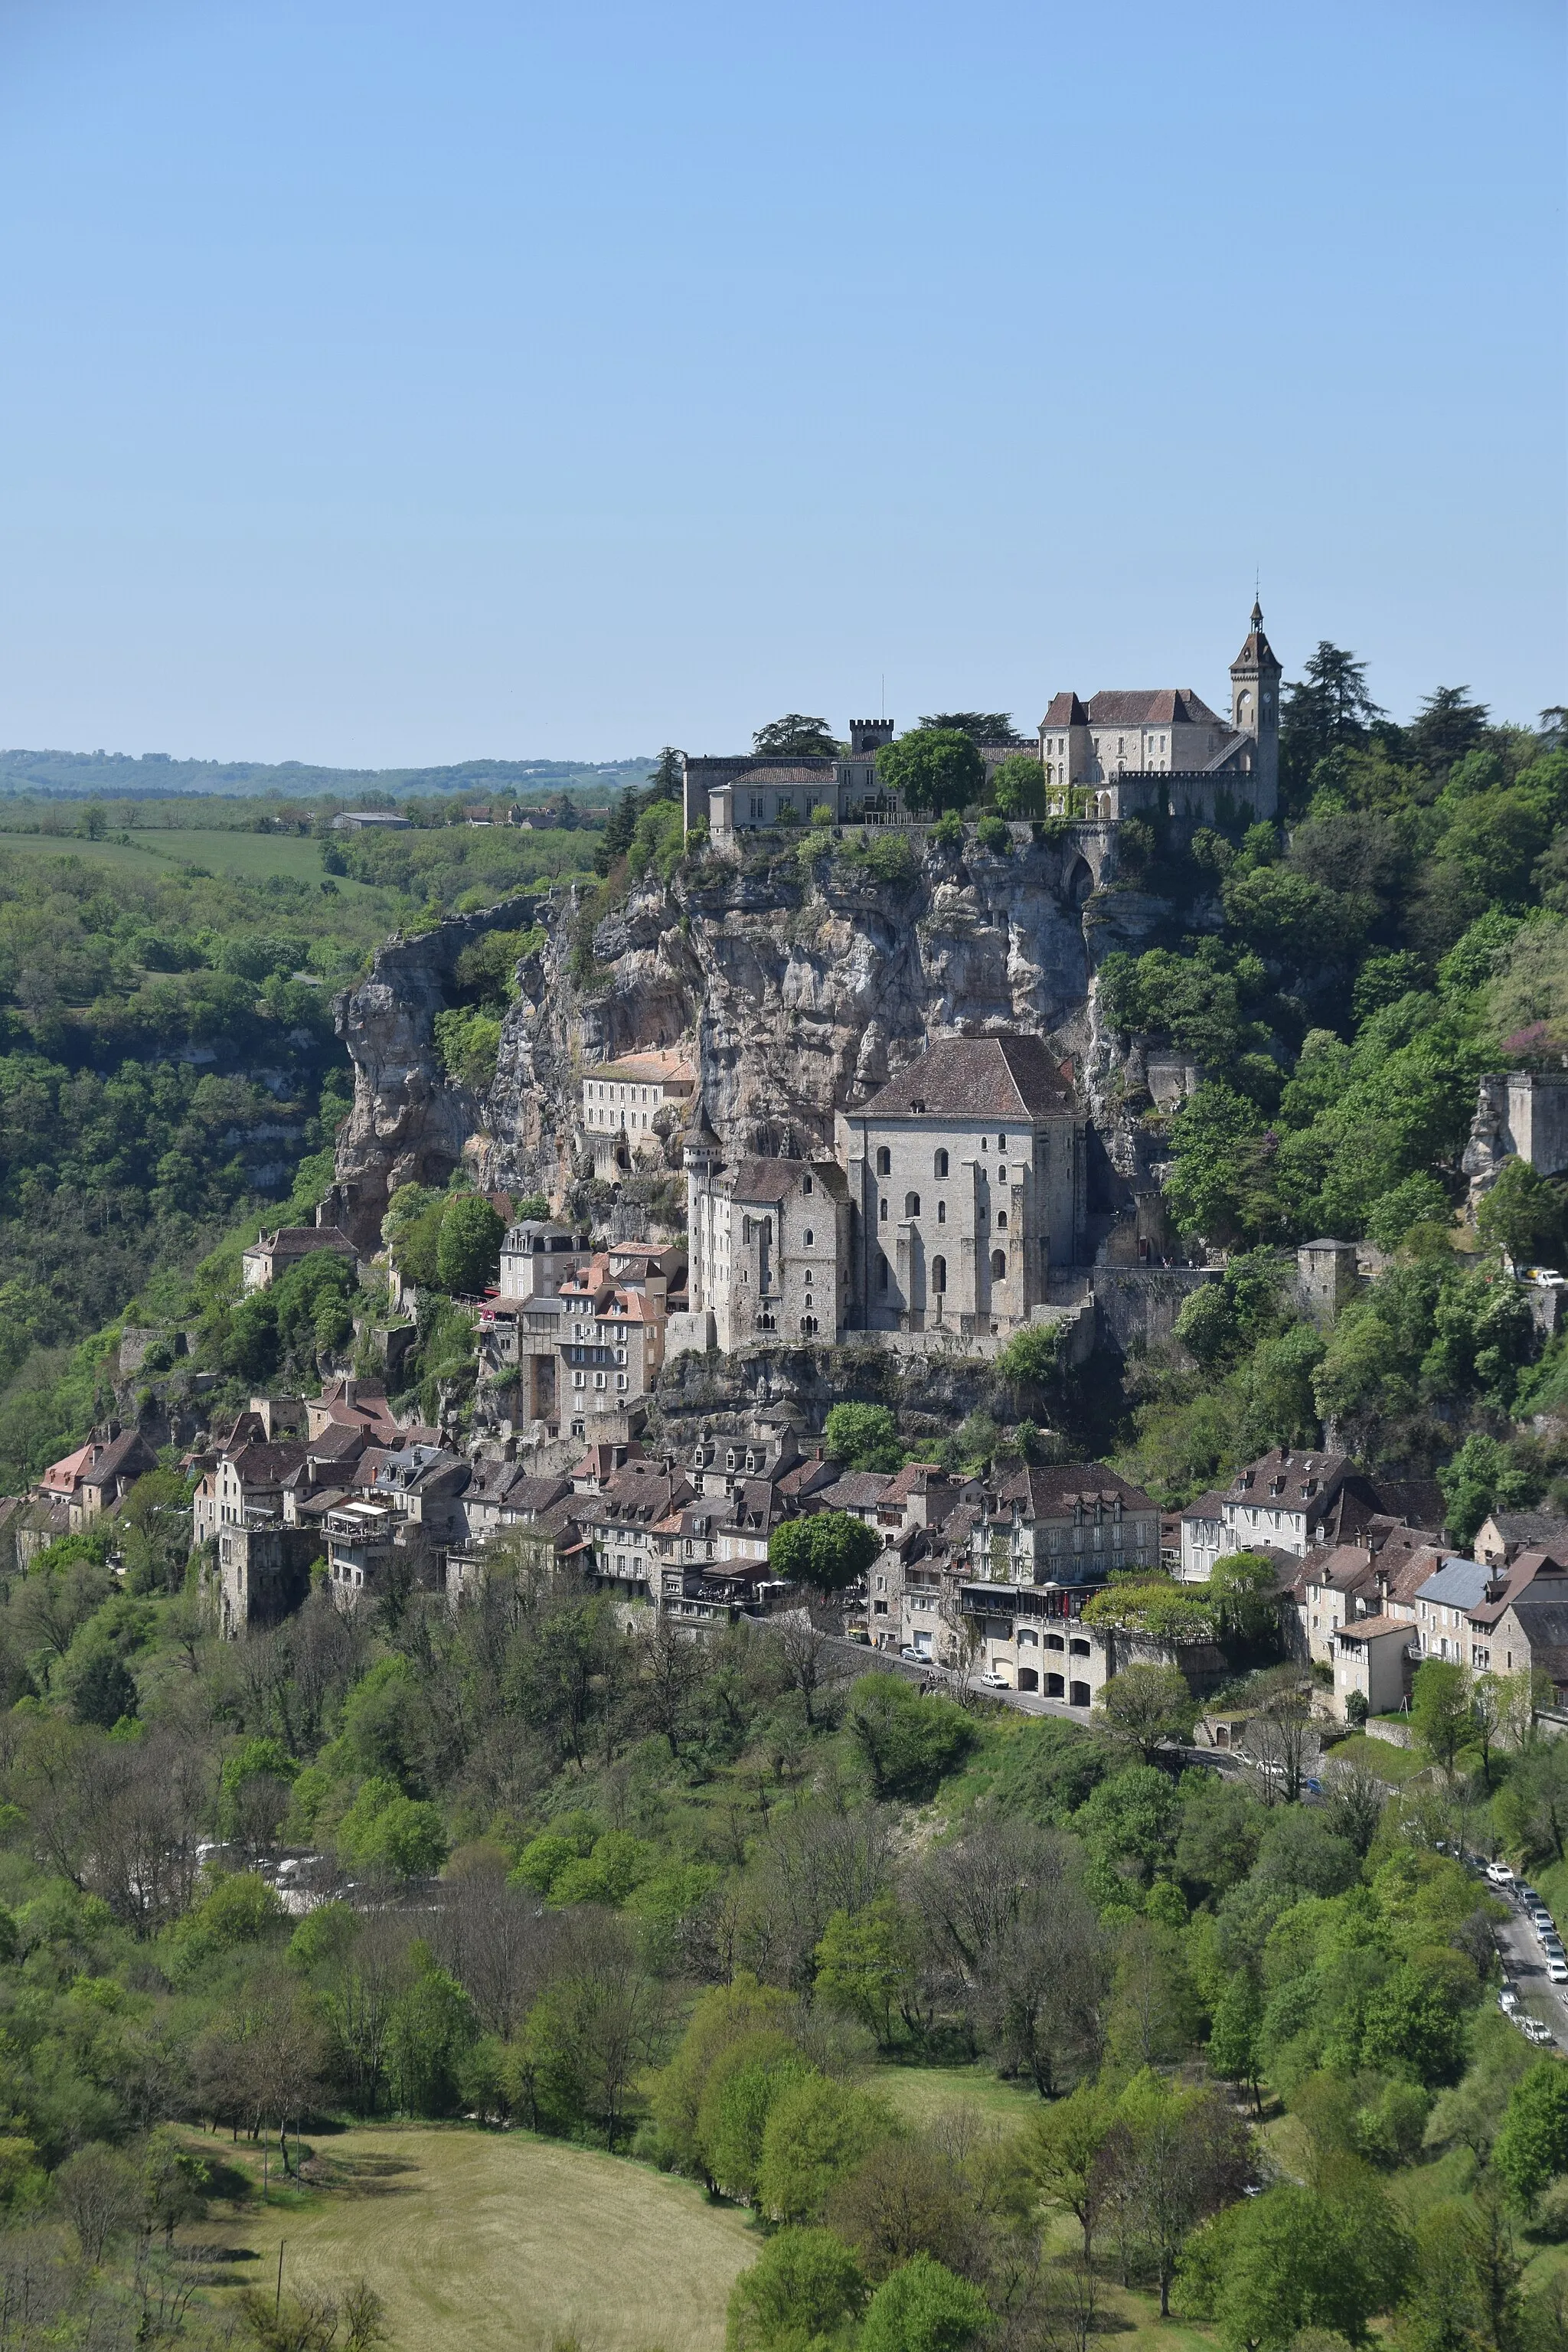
1525	1964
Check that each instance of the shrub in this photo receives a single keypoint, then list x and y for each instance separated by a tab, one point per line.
908	1742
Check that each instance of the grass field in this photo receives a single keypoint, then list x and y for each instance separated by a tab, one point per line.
1393	1765
485	2242
924	2093
250	855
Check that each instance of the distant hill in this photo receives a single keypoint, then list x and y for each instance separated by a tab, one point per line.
92	775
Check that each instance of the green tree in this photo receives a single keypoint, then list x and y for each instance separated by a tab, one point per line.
805	2289
1440	1710
1235	2035
794	737
828	1550
865	1965
104	1691
1018	787
743	2086
1294	2259
979	726
1064	2151
1031	1359
908	1742
863	1437
818	2131
467	1254
1531	2148
923	2307
1523	1214
1478	1480
432	2029
934	768
1144	1707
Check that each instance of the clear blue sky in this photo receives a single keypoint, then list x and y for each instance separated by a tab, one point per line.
399	383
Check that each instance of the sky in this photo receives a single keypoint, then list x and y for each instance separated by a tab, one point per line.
389	383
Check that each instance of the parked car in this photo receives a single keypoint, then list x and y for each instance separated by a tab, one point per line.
1508	2000
995	1682
1499	1873
915	1657
1557	1967
1542	1922
1535	2030
1527	1896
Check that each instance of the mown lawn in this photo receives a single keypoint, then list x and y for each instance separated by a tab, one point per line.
1394	1764
925	2094
496	2241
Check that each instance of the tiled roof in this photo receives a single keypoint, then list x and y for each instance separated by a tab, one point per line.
63	1478
769	1180
1006	1076
1047	1492
667	1064
1158	706
1544	1624
1205	1507
1534	1529
1065	710
810	771
1372	1628
858	1490
1298	1471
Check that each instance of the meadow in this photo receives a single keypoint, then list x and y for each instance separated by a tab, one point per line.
495	2242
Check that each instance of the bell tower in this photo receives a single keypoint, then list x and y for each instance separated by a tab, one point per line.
1255	677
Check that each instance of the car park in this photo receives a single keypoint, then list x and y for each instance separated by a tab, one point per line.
1499	1873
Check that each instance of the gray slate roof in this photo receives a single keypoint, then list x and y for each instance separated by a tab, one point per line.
1459	1584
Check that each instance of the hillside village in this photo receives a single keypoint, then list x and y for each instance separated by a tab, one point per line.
968	1205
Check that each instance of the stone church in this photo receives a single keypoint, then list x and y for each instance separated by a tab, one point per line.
949	1197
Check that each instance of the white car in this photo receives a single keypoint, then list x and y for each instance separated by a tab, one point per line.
1499	1873
995	1682
1508	2000
1535	2030
1557	1967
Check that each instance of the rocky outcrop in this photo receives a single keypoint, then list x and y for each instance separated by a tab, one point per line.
802	976
410	1124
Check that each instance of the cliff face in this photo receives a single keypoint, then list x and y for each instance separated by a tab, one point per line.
803	979
410	1124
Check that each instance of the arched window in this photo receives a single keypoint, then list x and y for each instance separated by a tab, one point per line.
911	1204
1001	1144
941	1213
1001	1222
808	1327
881	1271
938	1275
810	1238
882	1212
998	1265
942	1163
806	1184
884	1161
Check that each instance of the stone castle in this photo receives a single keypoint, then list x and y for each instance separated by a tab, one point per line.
1127	751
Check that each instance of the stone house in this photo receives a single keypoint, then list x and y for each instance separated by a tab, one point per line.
622	1102
1290	1501
1501	1538
271	1255
91	1482
1372	1659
